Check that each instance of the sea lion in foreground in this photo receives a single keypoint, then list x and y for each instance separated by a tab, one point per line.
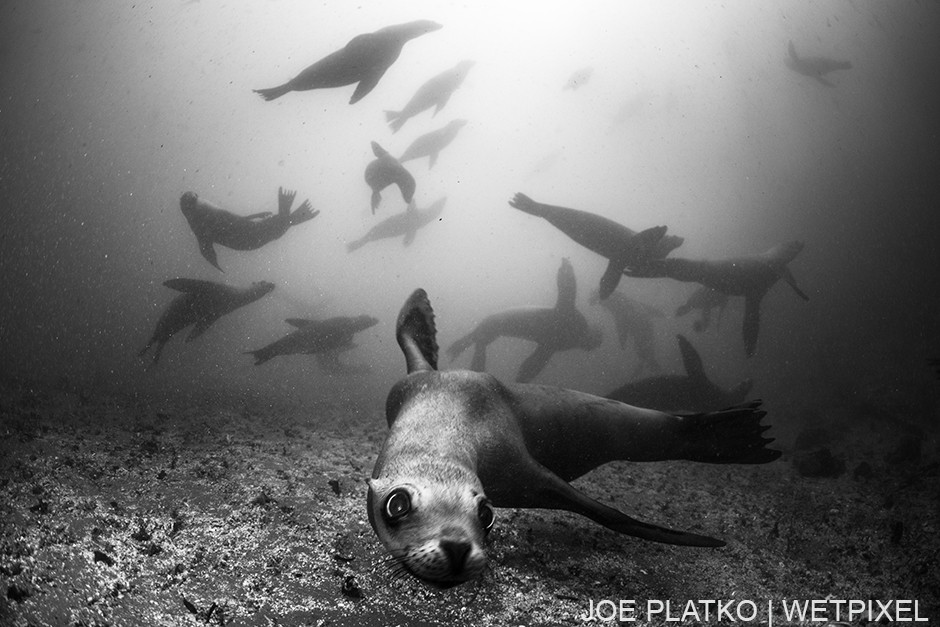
461	443
553	329
673	392
201	303
363	60
704	299
431	144
814	67
214	225
434	93
323	338
623	247
404	224
633	318
749	277
385	170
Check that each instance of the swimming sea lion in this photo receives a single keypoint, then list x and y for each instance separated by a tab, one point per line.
385	170
323	338
201	304
214	225
633	318
704	299
623	247
749	277
430	144
461	443
674	392
814	67
404	224
553	329
578	78
363	60
434	93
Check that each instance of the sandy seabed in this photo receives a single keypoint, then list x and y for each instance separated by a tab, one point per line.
232	510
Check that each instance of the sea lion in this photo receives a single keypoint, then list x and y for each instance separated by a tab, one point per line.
434	93
623	247
430	144
404	224
633	318
214	225
814	67
673	392
324	338
553	329
704	299
461	443
385	170
201	303
363	60
749	276
578	78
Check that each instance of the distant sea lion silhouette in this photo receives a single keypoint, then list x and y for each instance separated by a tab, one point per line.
814	67
704	299
623	247
363	60
633	318
673	392
324	338
434	93
431	144
201	303
750	276
553	329
214	225
405	224
578	78
386	170
461	443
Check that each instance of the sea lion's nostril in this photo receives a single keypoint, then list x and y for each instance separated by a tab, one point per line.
457	552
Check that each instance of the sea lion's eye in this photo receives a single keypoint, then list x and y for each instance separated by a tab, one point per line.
397	505
487	515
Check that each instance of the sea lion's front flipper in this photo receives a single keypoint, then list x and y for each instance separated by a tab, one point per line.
549	491
787	276
611	278
375	200
193	286
299	323
416	333
567	286
409	236
691	359
407	186
366	84
534	364
201	327
824	81
208	251
751	325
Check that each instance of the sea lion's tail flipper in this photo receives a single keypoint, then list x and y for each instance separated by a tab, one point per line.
285	200
416	333
729	436
272	93
261	355
395	120
303	213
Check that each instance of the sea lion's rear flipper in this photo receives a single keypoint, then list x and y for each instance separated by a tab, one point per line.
285	200
691	359
303	213
567	286
729	436
272	93
787	276
534	364
610	279
416	333
366	84
751	325
549	491
358	243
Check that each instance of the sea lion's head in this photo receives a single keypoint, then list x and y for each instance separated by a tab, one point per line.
434	528
260	288
189	201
